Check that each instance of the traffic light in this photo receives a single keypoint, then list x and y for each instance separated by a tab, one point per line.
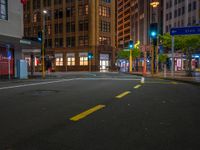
90	55
131	44
153	30
40	36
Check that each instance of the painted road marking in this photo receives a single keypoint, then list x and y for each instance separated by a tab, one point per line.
34	84
123	94
65	80
87	112
137	86
112	79
163	83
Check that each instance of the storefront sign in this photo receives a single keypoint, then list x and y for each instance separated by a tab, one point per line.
70	55
104	56
83	54
58	55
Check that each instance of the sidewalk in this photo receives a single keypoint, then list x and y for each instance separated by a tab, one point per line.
178	76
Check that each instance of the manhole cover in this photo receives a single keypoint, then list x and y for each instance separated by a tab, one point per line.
44	92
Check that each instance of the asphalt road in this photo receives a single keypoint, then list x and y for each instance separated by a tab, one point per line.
99	111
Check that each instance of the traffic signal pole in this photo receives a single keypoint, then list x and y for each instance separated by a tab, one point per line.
152	59
43	41
131	61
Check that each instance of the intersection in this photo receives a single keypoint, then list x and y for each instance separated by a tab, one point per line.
99	111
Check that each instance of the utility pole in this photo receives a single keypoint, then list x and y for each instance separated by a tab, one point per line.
131	61
131	46
43	42
154	37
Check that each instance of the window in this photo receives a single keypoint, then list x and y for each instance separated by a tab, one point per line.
70	11
4	9
83	40
70	59
59	59
58	28
83	25
57	2
36	4
83	61
83	10
106	1
47	3
58	14
189	7
194	5
104	40
70	41
58	42
70	27
104	26
104	11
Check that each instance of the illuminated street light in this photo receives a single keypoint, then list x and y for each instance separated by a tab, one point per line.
154	3
45	11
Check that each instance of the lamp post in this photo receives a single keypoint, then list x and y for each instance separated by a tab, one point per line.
154	64
43	42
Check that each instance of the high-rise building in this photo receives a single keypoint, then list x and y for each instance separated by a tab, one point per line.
140	21
181	13
123	23
74	28
133	21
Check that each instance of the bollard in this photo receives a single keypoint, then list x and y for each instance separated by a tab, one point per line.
142	80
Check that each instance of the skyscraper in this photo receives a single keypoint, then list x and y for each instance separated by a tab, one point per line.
73	29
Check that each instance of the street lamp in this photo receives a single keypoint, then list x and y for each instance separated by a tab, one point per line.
43	42
154	3
153	35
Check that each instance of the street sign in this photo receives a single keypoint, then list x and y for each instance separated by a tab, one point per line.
185	31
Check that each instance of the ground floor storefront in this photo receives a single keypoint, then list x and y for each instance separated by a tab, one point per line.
11	55
81	60
7	63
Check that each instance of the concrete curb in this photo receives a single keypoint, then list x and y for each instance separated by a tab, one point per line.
170	79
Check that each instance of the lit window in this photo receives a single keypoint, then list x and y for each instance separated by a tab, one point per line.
83	61
35	18
70	61
59	59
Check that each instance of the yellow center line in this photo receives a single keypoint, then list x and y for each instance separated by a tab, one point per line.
87	112
137	86
123	94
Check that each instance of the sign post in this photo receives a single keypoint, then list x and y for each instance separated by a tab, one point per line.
172	69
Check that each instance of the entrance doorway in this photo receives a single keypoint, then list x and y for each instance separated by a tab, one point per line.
104	62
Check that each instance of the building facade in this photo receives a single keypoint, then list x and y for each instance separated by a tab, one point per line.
123	23
74	28
11	31
181	13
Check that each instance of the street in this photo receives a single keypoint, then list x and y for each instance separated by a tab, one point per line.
99	111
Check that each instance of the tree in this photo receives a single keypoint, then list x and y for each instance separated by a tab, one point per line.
125	54
187	44
163	60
